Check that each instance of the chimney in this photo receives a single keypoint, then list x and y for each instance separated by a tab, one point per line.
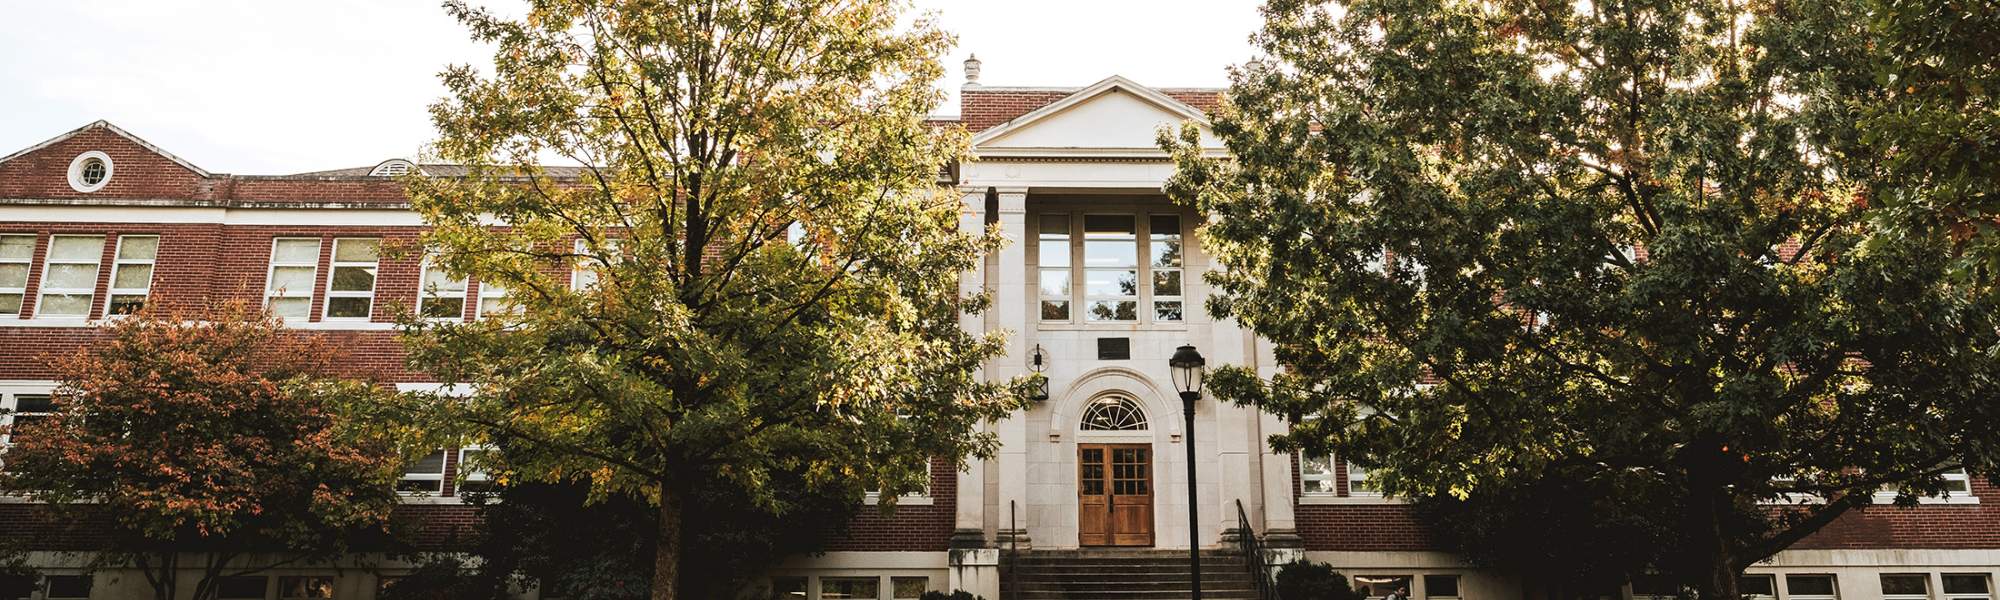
972	70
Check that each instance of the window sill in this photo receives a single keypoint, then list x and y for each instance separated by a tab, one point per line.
342	325
1323	500
874	499
1890	499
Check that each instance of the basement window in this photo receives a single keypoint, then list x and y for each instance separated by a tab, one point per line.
1967	586
1906	586
1810	587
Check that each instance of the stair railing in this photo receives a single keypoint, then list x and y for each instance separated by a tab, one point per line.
1253	555
1013	553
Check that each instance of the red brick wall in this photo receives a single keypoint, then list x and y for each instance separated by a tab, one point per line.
136	172
911	527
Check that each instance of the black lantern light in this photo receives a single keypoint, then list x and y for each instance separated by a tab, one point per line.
1188	365
1039	363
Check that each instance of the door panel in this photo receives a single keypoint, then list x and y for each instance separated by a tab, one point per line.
1115	494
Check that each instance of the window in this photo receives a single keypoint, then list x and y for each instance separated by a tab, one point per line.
493	301
473	478
1053	257
90	171
29	411
911	588
831	588
441	295
585	273
1114	413
305	587
1958	482
66	587
1810	587
1316	476
788	588
17	253
1906	586
1359	483
1165	246
132	273
288	291
1380	586
426	476
1441	587
1967	586
350	291
1758	587
1110	268
1957	486
69	280
242	587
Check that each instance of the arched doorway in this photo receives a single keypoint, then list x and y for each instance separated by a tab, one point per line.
1114	480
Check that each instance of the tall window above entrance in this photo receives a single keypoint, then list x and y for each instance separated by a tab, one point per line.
1114	413
1130	265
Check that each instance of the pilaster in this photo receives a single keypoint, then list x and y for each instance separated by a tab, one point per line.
968	523
1009	285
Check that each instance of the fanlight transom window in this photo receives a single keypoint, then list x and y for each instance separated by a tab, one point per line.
1114	413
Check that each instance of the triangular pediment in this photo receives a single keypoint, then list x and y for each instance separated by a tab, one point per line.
1111	117
103	125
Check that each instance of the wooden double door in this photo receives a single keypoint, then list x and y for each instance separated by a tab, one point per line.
1114	494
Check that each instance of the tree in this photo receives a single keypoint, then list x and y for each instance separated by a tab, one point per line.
213	438
1496	241
1570	536
755	271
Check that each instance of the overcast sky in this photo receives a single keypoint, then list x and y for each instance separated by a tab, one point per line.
266	87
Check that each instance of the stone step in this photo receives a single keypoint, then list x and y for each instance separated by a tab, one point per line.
1123	574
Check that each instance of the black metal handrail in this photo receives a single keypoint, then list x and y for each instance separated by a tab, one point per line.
1013	554
1253	555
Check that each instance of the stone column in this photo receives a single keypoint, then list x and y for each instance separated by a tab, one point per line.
1009	313
968	529
1281	531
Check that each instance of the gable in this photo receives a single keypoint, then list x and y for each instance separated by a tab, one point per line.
1114	117
138	169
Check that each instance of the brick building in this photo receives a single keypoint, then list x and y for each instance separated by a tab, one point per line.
1102	283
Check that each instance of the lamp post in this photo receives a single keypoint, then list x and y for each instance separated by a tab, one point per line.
1187	366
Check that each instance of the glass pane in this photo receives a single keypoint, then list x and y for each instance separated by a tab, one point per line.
71	277
1166	241
292	279
69	586
1110	253
908	587
347	308
432	463
1054	246
132	277
1055	310
138	247
438	281
1380	586
305	587
1441	586
1809	585
34	403
1102	282
10	304
1167	283
1055	282
357	250
1905	585
17	247
1107	310
79	249
1167	310
831	588
491	305
295	252
240	588
1095	226
13	275
1757	585
788	588
444	308
291	308
1970	583
125	304
353	279
65	305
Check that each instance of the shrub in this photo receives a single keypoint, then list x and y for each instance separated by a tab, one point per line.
1306	580
954	595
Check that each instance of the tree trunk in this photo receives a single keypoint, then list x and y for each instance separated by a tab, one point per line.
1711	549
160	577
667	548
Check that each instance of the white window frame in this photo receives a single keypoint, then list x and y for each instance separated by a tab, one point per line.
1457	581
1140	256
333	270
406	474
466	474
1068	269
487	293
582	273
10	399
1774	586
891	590
1330	477
1959	476
1924	577
1179	269
1356	474
281	586
119	263
27	266
48	580
1787	592
1145	308
49	263
424	292
271	274
917	498
1985	578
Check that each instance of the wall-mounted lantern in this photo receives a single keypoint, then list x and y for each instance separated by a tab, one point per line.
1039	363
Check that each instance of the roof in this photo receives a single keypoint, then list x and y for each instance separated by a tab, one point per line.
431	169
107	126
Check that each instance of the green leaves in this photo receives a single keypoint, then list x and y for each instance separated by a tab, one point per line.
1496	241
